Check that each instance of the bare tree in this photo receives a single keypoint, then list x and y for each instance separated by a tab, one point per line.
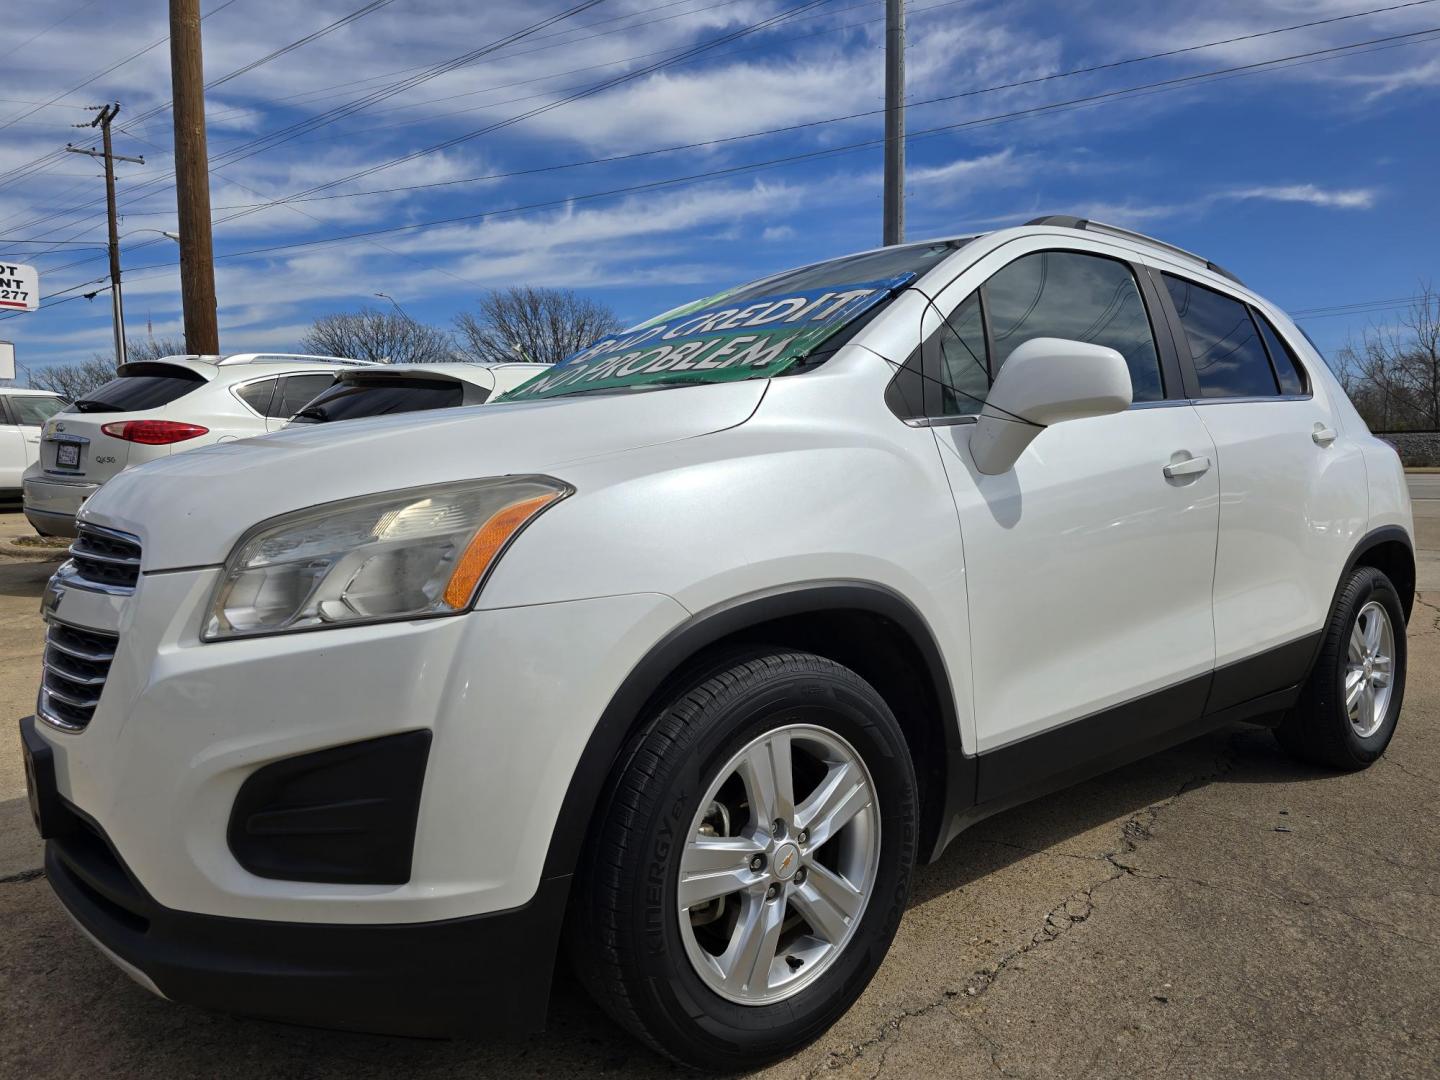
72	381
1393	374
386	337
526	323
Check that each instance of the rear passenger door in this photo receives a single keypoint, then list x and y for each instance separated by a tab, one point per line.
1292	485
1087	569
13	455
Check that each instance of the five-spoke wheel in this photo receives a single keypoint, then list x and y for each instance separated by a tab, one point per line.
752	862
779	864
1367	675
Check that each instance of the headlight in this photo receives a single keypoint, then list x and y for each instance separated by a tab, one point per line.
400	555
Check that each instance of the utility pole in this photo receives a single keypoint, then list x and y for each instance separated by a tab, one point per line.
894	230
105	114
192	179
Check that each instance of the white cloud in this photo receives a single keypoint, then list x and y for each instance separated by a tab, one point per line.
773	233
1331	199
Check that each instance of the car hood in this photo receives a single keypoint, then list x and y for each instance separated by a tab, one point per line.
189	509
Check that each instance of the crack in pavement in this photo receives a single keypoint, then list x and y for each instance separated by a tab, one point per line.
22	876
1073	910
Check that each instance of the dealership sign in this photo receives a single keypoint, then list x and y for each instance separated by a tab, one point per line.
19	287
721	341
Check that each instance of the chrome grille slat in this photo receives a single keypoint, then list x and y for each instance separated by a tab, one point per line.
71	700
107	559
80	654
113	560
76	662
79	678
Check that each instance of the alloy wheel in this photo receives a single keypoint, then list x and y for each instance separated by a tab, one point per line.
779	864
1369	669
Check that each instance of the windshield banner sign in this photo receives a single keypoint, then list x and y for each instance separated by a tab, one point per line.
755	338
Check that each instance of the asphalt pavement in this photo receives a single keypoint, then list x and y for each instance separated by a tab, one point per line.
1214	911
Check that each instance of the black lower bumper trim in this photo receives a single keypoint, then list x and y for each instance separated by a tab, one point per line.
479	975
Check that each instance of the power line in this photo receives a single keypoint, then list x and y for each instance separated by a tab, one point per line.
106	71
1005	86
288	132
64	19
851	147
1335	52
1313	56
590	91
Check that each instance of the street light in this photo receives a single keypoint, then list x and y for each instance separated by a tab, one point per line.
162	232
403	313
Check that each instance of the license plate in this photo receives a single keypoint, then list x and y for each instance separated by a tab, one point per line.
67	455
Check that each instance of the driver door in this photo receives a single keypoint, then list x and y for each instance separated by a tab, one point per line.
1088	569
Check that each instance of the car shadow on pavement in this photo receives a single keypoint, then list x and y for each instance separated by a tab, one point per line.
1089	819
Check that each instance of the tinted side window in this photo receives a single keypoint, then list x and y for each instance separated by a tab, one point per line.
1229	357
34	411
1287	368
1065	294
960	361
258	394
297	391
350	401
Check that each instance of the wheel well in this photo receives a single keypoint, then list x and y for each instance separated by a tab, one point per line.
882	653
1395	560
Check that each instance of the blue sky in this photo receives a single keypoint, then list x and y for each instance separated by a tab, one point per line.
1314	179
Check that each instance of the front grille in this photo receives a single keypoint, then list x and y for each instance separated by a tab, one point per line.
106	558
75	667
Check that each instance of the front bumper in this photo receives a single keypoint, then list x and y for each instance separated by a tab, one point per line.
455	977
51	503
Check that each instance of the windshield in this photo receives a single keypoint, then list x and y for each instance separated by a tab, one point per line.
754	331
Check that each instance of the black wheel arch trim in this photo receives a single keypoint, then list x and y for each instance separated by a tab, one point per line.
648	677
1386	534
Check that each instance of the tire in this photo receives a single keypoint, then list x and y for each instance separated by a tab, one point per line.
1320	729
655	967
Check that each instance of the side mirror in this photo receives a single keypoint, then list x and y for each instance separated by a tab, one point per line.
1046	381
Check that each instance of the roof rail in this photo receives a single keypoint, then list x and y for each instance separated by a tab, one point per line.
288	358
1067	221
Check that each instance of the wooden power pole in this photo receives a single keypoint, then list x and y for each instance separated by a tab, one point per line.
192	180
105	114
894	228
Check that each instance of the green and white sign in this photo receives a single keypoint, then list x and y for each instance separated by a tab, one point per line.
723	341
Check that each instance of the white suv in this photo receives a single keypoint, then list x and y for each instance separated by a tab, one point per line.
154	408
22	414
704	640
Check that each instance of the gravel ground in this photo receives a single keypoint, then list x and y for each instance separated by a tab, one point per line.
1214	911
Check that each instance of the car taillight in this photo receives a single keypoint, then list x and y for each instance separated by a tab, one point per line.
153	432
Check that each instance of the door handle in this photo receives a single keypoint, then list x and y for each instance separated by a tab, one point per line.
1323	435
1194	466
